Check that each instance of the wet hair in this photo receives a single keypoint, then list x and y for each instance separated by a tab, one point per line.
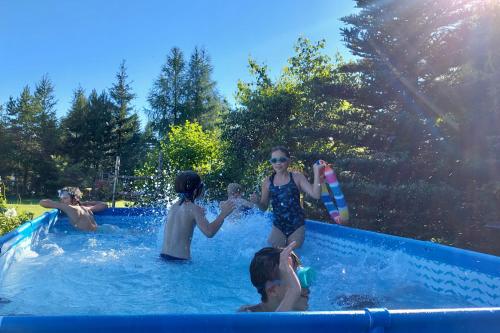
265	267
186	184
74	193
234	188
281	149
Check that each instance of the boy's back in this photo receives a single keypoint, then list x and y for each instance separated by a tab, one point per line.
185	214
178	231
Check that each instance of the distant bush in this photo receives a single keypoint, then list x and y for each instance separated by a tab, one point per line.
9	219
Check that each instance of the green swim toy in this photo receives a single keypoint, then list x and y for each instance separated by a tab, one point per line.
306	276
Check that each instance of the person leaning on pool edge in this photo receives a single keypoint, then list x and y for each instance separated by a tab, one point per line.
80	214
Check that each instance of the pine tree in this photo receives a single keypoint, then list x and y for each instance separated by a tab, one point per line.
97	133
167	97
73	130
87	130
125	122
24	133
203	103
48	136
412	58
31	128
6	145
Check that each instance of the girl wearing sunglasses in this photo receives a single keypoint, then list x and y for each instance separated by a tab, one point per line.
283	189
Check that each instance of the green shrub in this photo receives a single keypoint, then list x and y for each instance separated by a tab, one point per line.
187	147
9	219
8	223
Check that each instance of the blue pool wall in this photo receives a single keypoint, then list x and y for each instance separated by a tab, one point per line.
443	269
472	276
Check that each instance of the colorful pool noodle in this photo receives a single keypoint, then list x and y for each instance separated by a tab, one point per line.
337	208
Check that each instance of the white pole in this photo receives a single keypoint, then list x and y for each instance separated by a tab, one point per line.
117	170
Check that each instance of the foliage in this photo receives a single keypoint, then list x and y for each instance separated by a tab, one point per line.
424	69
125	125
29	127
87	133
183	93
292	112
3	200
167	97
188	147
411	125
191	148
9	219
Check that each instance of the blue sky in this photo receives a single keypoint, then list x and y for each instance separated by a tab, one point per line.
82	43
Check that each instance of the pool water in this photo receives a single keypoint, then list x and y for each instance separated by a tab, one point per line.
118	271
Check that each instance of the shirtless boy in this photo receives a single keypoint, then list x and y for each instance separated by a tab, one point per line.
80	214
184	215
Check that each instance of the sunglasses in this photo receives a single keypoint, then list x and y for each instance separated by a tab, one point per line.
62	194
275	160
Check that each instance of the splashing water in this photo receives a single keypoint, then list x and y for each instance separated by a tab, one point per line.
119	272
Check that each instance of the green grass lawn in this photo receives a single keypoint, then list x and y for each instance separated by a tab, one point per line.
31	205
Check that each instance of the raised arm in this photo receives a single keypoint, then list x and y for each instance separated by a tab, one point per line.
314	189
210	229
287	273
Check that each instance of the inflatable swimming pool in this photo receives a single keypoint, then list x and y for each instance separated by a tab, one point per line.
445	289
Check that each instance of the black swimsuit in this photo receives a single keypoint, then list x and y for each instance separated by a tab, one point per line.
288	215
168	257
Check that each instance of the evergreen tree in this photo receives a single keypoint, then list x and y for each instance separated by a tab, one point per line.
48	135
125	122
73	131
32	133
168	95
22	116
97	133
203	103
6	145
87	133
413	59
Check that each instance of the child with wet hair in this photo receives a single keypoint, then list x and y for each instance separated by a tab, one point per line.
80	214
272	272
185	214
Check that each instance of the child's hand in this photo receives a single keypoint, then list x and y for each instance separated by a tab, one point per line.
318	167
286	267
288	276
227	207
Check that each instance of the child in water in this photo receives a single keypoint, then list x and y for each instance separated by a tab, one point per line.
184	215
283	188
80	214
234	194
272	272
